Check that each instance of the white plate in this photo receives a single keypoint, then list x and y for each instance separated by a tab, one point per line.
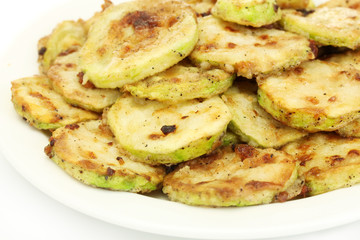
23	148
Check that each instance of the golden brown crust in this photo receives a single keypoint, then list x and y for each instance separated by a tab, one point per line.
354	4
327	161
88	152
251	122
36	101
248	51
315	96
134	40
234	176
167	133
68	80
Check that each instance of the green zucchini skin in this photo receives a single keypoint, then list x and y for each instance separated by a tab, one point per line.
182	82
247	12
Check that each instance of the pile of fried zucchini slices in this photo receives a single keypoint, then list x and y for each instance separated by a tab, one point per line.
214	103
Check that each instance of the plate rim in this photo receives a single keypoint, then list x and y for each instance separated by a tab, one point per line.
187	230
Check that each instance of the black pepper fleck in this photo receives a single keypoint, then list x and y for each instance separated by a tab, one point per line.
167	129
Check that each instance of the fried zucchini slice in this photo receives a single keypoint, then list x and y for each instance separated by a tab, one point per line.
133	40
87	151
35	100
252	123
182	82
247	12
296	4
336	26
201	7
234	176
315	96
354	4
68	36
327	161
163	133
248	51
67	80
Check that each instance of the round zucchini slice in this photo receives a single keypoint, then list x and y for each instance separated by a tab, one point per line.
316	96
240	175
327	161
87	151
68	36
182	82
36	101
133	40
247	12
252	123
67	80
163	133
336	26
248	51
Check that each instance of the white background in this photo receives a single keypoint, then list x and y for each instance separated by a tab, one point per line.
27	213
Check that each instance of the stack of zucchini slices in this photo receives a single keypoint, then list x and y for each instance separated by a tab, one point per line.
233	103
